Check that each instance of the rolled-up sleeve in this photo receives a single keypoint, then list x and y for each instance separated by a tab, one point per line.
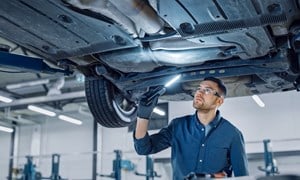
142	145
151	144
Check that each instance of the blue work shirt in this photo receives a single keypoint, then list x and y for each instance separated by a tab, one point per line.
222	149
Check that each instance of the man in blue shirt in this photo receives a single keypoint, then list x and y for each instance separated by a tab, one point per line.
203	144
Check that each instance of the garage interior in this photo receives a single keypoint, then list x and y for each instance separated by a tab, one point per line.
87	150
72	121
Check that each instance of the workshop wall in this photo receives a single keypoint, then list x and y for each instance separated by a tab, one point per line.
278	120
121	139
72	142
115	139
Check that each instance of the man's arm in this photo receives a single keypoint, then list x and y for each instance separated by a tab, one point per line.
143	143
145	107
150	144
141	128
238	156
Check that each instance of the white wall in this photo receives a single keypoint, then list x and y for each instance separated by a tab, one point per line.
278	121
72	142
121	139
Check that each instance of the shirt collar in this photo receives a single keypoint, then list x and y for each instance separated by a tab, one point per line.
216	120
213	123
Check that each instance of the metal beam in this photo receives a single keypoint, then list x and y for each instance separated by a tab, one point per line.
95	149
28	64
43	99
19	120
11	153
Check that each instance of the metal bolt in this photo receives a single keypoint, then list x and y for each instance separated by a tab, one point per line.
187	28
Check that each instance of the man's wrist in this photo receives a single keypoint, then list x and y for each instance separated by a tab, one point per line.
141	128
142	119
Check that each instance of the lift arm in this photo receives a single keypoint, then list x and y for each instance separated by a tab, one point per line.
28	64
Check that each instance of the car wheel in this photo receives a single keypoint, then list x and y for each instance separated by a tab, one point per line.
294	60
107	104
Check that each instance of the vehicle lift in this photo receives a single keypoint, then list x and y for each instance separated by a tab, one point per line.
55	168
150	173
270	168
29	172
30	64
118	165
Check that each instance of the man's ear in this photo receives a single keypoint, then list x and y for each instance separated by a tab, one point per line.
220	101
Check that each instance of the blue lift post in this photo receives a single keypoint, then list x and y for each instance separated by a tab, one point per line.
55	167
29	172
116	174
150	173
270	164
29	169
118	165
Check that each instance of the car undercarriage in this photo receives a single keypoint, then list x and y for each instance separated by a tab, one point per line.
126	47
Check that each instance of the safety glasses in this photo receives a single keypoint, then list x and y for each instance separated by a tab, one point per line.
208	91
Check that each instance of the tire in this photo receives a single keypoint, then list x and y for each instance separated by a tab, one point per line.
108	105
294	60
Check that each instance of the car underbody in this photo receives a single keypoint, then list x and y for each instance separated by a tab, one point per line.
126	47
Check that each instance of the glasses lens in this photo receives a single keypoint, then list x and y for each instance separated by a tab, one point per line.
208	91
205	90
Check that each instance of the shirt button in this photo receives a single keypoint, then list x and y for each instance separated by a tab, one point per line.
200	160
202	129
202	145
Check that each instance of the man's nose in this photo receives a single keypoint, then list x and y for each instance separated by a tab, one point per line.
199	93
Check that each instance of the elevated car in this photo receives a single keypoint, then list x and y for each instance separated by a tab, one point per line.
127	47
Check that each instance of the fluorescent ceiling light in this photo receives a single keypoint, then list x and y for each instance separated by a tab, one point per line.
69	119
159	111
6	129
41	110
258	101
172	80
27	84
5	99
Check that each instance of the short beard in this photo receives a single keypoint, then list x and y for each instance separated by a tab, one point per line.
200	107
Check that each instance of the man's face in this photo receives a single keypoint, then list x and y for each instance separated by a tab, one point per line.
207	96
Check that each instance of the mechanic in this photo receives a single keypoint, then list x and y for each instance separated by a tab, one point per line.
203	144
